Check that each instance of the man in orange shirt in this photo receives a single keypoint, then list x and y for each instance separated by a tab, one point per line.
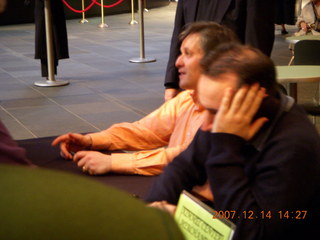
161	135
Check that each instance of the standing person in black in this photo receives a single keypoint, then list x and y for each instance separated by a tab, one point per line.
60	39
260	154
251	20
285	10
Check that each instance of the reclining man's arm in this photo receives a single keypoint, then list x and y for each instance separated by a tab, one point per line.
173	124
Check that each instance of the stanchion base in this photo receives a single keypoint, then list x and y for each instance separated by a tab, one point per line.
83	21
50	83
132	22
142	60
103	25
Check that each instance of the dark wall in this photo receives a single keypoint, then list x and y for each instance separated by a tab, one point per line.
17	12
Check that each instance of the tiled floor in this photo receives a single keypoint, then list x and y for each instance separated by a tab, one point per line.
105	87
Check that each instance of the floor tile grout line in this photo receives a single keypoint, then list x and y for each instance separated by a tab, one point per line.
18	121
119	31
50	99
115	100
11	115
127	106
76	115
105	96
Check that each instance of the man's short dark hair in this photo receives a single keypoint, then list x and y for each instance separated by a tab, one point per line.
248	63
211	34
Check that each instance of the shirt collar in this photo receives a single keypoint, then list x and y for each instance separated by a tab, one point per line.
194	96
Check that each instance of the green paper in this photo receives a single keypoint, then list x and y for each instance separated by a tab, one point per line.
196	220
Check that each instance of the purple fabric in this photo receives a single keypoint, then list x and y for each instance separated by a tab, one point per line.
10	152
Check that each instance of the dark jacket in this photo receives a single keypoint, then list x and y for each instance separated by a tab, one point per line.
277	172
285	12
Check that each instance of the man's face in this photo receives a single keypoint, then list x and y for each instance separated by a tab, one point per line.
188	63
211	89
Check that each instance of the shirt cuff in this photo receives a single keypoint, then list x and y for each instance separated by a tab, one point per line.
122	163
97	139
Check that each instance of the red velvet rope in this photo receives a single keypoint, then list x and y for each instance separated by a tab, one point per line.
111	5
80	11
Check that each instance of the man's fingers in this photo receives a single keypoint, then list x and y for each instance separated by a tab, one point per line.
79	155
84	141
256	102
91	172
76	137
164	205
256	126
65	152
249	99
238	99
226	100
83	162
59	139
63	155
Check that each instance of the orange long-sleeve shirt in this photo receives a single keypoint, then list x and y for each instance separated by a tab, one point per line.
160	136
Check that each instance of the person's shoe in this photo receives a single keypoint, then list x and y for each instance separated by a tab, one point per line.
284	32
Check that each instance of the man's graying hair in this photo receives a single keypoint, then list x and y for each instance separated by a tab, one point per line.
211	34
248	63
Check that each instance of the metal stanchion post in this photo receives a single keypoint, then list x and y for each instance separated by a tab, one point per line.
51	82
142	58
102	25
133	21
145	9
83	20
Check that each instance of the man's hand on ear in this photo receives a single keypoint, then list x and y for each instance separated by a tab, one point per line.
236	112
